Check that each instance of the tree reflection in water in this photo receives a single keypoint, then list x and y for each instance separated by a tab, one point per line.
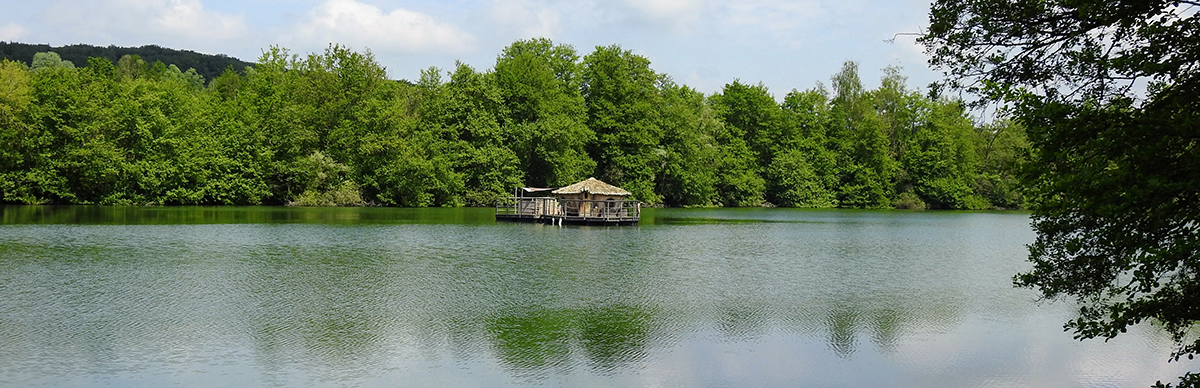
346	304
541	341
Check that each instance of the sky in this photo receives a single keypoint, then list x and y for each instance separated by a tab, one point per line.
704	44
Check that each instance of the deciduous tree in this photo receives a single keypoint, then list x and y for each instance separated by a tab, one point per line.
623	104
1109	93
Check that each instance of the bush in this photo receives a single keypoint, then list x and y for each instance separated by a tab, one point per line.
909	200
345	194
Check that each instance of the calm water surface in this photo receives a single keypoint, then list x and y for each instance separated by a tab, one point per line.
149	297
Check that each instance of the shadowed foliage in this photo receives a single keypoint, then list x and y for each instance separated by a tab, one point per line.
1109	92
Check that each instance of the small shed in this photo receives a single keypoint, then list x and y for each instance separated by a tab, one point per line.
593	198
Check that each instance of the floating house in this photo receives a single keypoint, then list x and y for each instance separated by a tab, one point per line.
589	202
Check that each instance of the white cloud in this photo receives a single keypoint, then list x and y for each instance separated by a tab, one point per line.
11	32
709	17
147	19
358	24
773	15
188	18
680	15
664	8
178	23
525	18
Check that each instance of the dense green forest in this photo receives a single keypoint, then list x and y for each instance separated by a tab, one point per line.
208	66
330	129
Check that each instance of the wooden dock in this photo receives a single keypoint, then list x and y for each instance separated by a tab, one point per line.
557	211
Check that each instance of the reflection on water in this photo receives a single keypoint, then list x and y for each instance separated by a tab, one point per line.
541	341
96	296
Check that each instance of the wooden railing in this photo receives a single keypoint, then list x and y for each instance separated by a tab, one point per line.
535	207
507	206
529	206
600	209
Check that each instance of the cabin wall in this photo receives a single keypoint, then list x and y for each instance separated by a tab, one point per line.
588	208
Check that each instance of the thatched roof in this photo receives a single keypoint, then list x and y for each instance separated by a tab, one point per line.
594	186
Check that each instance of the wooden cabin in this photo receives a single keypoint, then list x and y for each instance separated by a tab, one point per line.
591	198
590	202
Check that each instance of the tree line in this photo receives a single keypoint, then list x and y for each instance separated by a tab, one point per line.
209	66
329	129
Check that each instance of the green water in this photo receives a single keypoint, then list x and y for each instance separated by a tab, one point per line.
148	297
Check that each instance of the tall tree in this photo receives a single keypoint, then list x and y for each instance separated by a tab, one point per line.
132	66
754	113
1001	148
1115	172
468	111
72	156
939	159
804	172
16	96
689	148
860	139
623	102
748	141
540	84
49	59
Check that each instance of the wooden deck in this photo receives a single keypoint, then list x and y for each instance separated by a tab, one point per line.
549	210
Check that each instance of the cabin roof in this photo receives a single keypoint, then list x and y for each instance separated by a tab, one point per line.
594	186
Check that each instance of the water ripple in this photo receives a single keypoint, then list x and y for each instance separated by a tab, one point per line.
690	298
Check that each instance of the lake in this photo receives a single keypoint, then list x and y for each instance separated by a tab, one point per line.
382	297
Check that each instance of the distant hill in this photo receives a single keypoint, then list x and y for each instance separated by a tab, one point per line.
209	66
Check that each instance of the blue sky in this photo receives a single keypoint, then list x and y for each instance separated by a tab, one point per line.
702	43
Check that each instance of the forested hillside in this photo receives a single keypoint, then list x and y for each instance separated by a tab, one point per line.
208	66
330	129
